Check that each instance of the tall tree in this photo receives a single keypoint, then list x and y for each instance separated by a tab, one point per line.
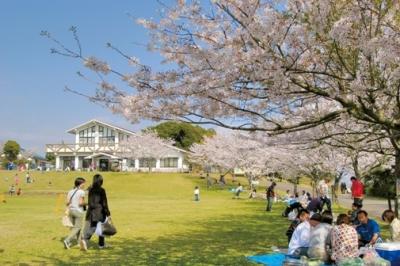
184	134
257	65
11	149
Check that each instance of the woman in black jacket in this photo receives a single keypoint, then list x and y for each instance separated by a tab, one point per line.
97	211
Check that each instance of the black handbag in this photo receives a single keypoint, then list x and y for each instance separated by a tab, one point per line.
108	227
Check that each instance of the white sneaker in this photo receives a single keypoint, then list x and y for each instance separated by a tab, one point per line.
105	246
67	245
83	245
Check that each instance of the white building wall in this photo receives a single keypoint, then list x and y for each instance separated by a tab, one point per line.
58	165
76	162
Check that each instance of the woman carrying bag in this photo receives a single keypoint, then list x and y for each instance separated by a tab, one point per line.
76	207
97	211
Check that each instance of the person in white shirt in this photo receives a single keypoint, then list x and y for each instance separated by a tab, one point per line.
320	236
394	225
76	205
196	194
300	240
323	190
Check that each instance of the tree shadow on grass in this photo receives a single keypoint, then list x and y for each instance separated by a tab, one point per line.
226	240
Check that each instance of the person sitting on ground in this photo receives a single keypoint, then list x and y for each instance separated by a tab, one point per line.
394	224
309	198
344	239
300	240
304	199
320	238
287	196
314	205
238	190
355	208
368	230
253	194
293	205
303	215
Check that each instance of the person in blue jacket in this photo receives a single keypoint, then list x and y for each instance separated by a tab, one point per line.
368	231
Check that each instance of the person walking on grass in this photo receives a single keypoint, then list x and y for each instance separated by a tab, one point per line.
196	193
16	180
270	196
76	206
97	211
323	190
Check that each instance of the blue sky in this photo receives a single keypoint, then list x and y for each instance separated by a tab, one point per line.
35	109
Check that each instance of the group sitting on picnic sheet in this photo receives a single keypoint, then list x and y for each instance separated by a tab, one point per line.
313	235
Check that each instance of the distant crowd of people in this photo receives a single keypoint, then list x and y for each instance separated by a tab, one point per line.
314	234
15	186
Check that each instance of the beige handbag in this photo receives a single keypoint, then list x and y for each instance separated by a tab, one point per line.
66	220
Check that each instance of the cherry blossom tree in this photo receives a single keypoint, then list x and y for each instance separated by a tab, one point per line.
258	65
146	146
231	150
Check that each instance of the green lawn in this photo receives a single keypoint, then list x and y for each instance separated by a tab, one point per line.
157	222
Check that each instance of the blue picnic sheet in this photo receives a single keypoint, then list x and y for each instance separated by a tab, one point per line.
274	259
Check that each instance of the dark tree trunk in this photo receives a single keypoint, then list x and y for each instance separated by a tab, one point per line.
397	175
389	202
295	183
355	167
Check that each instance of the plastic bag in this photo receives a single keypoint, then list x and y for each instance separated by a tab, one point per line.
99	230
350	262
65	220
292	215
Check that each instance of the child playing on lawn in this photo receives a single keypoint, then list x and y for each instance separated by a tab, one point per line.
196	194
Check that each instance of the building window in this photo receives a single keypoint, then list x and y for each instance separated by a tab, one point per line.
147	162
106	136
131	163
121	137
86	136
169	162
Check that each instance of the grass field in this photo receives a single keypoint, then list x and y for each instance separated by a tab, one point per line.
157	222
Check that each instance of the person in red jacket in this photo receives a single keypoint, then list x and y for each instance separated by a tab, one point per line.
357	190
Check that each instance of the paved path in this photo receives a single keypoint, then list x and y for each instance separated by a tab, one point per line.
373	206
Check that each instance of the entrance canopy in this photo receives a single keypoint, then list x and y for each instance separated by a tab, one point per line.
101	154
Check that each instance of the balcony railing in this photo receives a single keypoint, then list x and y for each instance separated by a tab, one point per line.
55	148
